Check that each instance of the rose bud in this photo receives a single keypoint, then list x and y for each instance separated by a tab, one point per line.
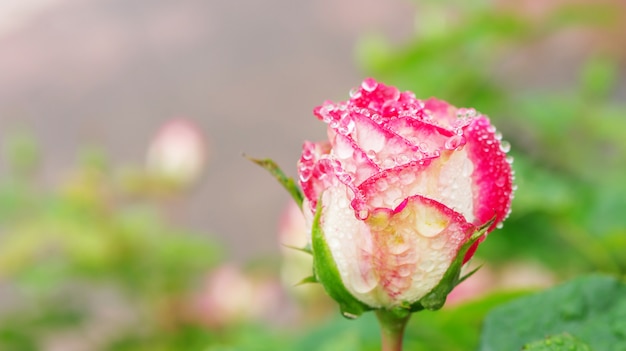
178	152
399	196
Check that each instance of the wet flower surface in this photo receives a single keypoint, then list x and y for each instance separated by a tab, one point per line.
403	184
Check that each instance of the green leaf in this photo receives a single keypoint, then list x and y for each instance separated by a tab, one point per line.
561	342
288	183
328	275
591	308
307	280
306	249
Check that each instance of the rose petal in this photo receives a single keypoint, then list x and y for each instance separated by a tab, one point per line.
353	158
429	138
395	255
381	145
446	179
492	176
310	174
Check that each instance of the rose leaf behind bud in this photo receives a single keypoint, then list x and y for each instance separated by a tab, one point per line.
287	182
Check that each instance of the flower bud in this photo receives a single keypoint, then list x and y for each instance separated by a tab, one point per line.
178	152
400	194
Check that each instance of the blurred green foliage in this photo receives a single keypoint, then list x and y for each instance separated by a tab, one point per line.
68	249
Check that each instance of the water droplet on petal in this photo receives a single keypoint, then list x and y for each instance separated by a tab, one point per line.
377	118
454	142
381	185
505	146
364	281
407	177
500	181
355	93
346	125
426	265
344	178
405	270
307	153
438	243
363	214
305	175
402	159
369	85
388	162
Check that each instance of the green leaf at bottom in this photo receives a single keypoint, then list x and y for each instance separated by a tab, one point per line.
562	342
592	309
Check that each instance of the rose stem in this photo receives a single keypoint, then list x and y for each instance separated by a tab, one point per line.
392	329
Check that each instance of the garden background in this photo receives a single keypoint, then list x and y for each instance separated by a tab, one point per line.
102	250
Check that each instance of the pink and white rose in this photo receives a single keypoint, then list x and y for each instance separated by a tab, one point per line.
402	185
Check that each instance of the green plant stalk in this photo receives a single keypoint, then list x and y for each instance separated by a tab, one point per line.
392	329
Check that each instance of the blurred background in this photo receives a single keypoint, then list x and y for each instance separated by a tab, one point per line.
129	219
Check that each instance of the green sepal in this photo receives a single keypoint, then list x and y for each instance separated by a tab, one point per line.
287	182
306	249
436	298
307	280
328	275
462	279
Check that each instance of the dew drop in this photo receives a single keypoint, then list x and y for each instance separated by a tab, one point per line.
344	178
381	185
505	146
405	270
498	136
307	154
363	214
346	126
399	246
305	174
365	281
500	181
407	177
388	162
349	315
369	85
426	265
499	225
454	142
509	159
402	159
377	118
355	93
